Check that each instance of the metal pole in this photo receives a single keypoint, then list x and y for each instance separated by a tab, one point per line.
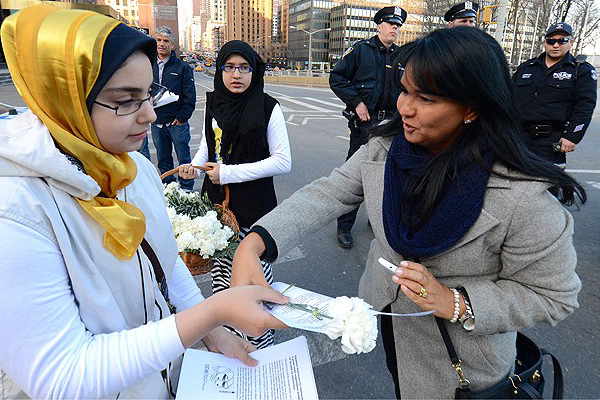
310	53
501	23
534	36
523	38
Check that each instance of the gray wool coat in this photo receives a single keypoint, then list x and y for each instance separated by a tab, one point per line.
517	264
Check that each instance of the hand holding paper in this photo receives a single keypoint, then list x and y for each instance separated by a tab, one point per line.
349	318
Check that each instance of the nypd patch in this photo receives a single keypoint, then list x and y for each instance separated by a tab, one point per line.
593	73
348	51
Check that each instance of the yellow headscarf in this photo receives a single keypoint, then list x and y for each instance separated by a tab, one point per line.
54	57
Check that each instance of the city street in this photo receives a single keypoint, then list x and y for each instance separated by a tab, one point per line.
319	142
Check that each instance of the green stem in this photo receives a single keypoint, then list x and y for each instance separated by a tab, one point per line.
309	309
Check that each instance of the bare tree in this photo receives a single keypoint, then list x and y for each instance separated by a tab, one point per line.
585	23
433	14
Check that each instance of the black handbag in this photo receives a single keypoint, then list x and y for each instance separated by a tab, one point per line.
527	381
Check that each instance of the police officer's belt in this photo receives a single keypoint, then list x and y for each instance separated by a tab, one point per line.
542	130
382	114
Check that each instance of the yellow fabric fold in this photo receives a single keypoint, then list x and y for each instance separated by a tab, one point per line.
54	57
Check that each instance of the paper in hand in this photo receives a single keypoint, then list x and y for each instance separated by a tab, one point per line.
167	98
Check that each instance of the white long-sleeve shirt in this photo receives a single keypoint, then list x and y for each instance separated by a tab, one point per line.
75	321
279	162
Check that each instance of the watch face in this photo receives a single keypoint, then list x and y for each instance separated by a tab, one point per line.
469	324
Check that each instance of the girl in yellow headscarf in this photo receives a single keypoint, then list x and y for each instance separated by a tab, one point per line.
83	226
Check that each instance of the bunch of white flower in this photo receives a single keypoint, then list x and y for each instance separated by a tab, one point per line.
203	235
354	321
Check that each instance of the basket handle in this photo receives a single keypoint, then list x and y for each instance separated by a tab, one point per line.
202	168
174	171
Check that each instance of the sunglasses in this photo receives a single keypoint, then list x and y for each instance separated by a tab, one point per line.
563	40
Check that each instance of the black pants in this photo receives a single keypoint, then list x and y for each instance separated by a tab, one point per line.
358	137
389	346
542	146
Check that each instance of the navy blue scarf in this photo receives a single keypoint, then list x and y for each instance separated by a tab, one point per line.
458	209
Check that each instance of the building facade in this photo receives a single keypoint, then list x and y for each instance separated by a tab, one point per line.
252	22
307	33
156	13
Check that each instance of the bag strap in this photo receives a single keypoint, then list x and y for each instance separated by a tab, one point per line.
158	273
558	387
456	362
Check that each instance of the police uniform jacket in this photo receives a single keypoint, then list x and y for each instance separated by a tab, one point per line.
565	92
178	78
359	75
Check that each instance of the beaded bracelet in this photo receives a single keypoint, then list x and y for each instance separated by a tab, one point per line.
456	305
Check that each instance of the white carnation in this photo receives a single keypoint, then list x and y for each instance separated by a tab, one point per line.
354	322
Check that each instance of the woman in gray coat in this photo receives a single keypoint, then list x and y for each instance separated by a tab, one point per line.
460	205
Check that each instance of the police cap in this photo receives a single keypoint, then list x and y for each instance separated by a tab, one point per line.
393	15
561	27
462	10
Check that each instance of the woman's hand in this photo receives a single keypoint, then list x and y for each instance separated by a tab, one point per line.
246	267
242	308
420	286
221	341
187	171
213	174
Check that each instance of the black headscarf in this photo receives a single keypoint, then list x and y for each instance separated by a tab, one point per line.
121	42
238	113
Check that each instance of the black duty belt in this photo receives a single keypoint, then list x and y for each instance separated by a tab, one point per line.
382	114
543	130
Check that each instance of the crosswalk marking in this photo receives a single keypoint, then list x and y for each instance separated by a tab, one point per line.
336	105
594	184
305	120
304	104
583	171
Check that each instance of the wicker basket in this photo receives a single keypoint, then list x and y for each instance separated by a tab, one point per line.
194	261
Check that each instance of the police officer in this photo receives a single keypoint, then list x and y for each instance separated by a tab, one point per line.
556	96
462	14
362	79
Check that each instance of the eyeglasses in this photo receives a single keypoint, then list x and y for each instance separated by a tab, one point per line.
244	69
563	40
131	106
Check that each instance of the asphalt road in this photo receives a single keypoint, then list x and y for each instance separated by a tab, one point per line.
319	142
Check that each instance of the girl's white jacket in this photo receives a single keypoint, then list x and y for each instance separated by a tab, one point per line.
76	321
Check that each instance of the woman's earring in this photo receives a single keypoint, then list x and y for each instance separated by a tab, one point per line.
468	121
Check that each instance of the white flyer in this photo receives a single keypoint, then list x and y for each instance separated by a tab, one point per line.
297	318
300	319
284	372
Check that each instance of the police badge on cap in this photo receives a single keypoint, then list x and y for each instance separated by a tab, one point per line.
462	10
560	27
392	15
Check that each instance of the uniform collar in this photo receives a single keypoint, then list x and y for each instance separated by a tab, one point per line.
376	43
541	59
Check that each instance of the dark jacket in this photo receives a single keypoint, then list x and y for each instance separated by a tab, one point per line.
358	76
179	79
564	93
248	200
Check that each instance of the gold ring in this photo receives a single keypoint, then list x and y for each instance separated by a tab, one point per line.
423	293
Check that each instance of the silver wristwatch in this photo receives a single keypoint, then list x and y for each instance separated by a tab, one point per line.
467	320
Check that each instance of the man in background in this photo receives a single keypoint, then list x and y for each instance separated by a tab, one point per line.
171	128
462	14
556	96
363	80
